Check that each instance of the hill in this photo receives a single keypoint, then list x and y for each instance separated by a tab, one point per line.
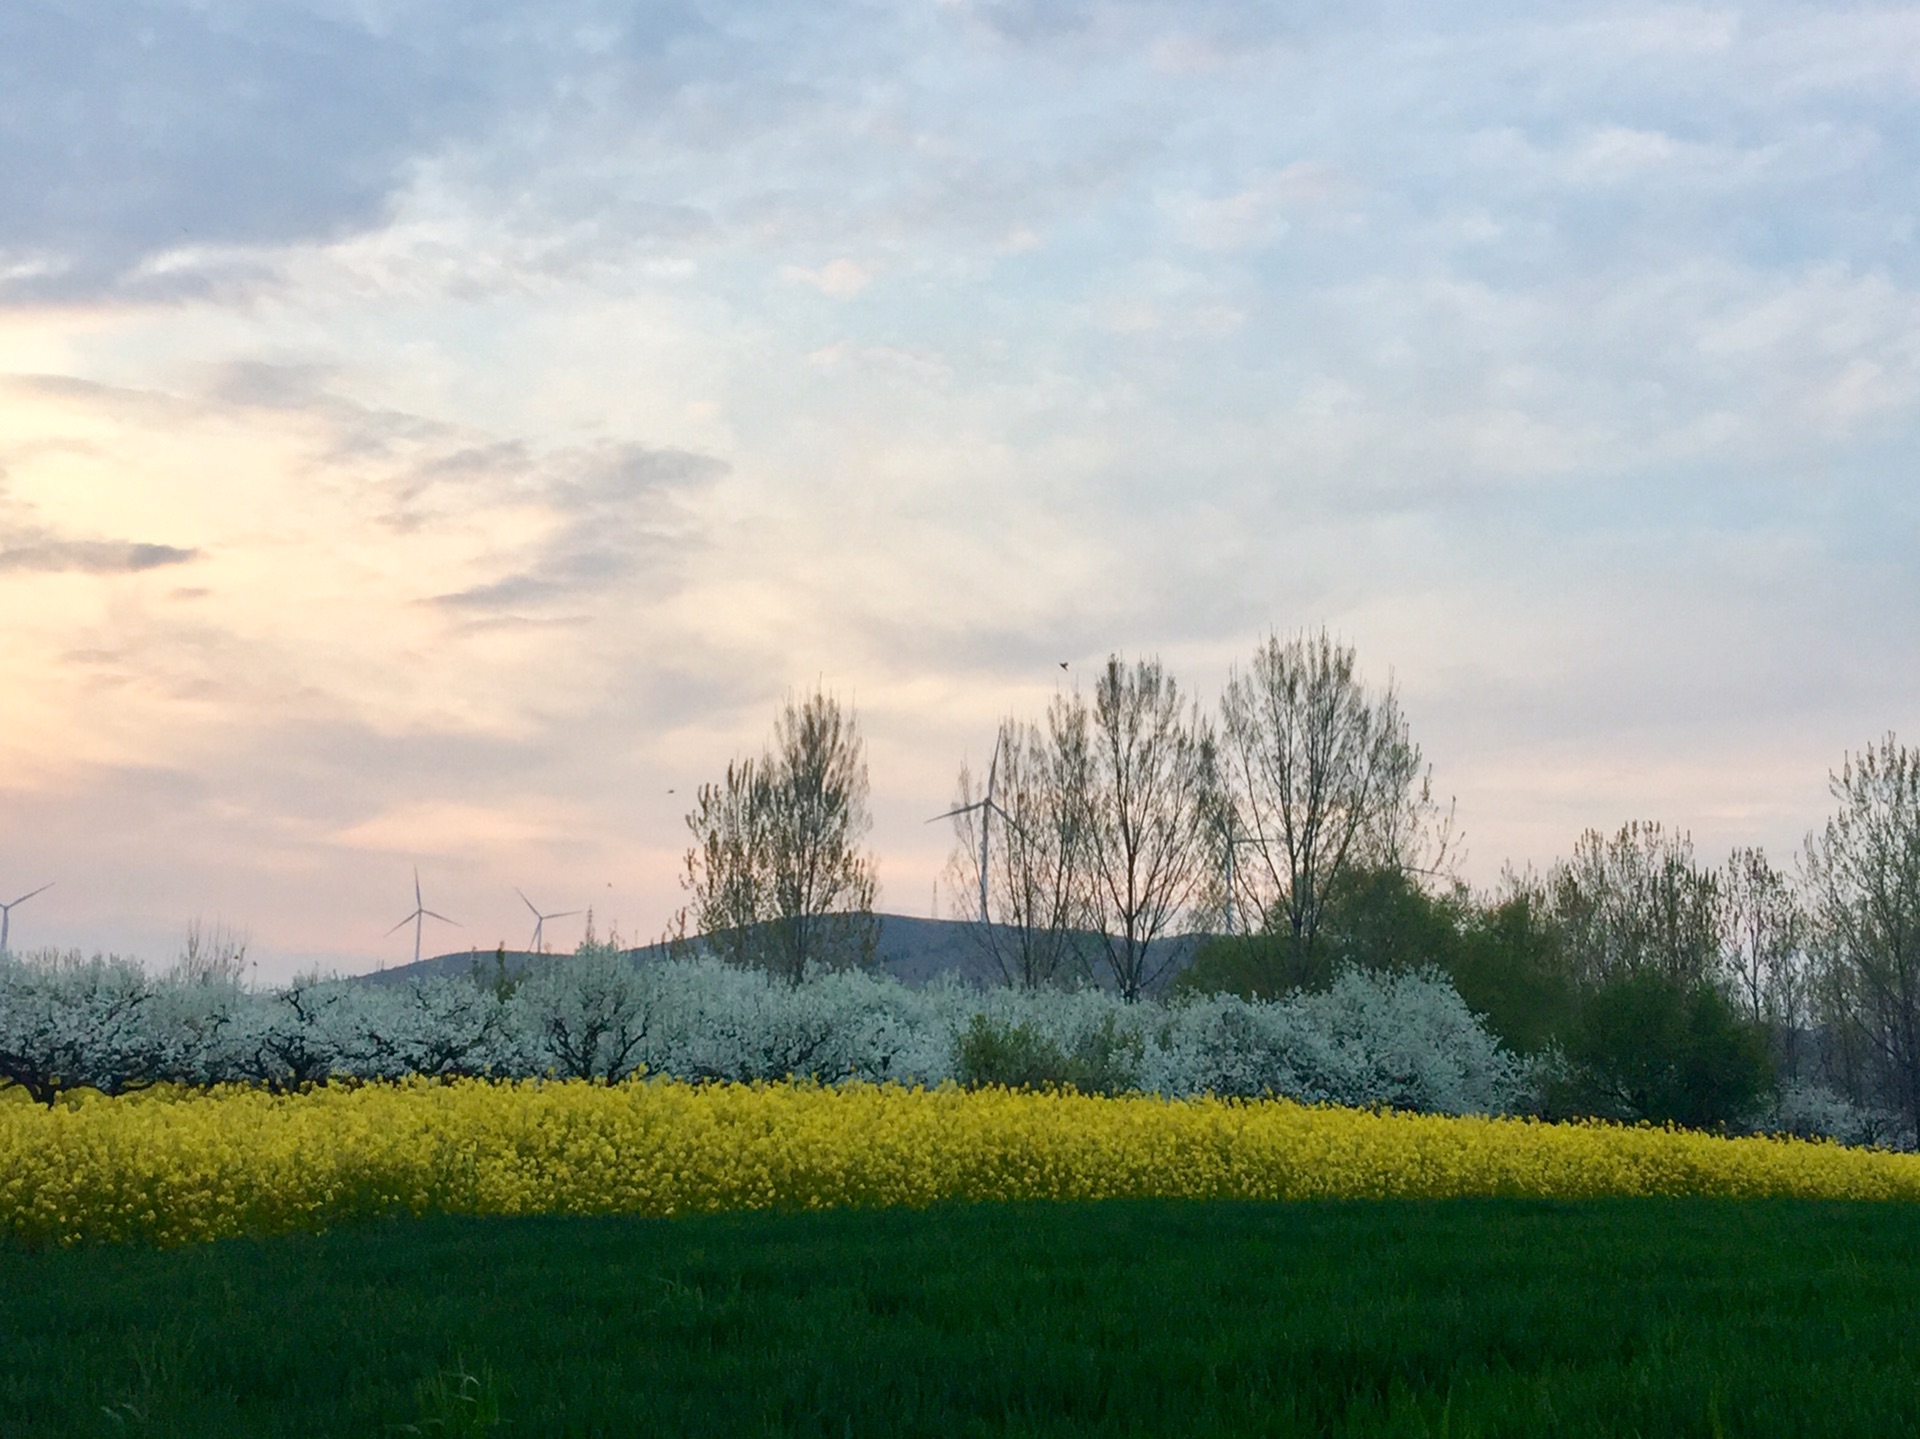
911	949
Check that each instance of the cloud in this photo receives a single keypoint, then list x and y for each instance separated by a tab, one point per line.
1617	152
91	557
615	514
166	152
513	592
313	599
129	136
842	278
452	827
1258	214
1030	21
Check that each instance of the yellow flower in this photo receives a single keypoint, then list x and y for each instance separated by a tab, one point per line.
178	1166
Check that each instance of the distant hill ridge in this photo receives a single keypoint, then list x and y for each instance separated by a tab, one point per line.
911	949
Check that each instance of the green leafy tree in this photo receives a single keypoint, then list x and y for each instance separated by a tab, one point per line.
1378	917
1501	953
1509	966
1105	1060
1264	964
1650	1046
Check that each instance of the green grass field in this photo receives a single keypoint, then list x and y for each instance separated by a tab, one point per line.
1441	1318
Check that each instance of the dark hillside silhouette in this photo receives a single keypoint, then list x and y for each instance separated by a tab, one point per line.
911	949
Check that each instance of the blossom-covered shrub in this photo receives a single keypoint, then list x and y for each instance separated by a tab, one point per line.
1405	1041
67	1022
1811	1111
590	1017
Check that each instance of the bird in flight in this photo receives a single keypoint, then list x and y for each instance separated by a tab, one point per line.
1063	664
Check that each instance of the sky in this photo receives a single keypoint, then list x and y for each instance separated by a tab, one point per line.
441	436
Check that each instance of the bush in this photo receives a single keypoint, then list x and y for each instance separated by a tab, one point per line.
1649	1047
1015	1056
1103	1060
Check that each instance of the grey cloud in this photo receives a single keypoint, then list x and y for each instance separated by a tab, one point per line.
619	507
271	386
93	557
1036	20
359	434
157	129
629	471
158	155
124	135
513	591
1228	24
588	129
613	501
622	513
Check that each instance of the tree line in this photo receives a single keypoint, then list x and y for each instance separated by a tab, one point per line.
1132	839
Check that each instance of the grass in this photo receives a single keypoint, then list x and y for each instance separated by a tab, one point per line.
1452	1318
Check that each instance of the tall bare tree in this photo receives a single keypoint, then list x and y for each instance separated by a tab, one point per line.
1148	813
1031	916
211	956
1321	775
1637	902
1762	943
1863	875
776	877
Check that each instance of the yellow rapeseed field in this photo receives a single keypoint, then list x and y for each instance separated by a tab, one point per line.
174	1167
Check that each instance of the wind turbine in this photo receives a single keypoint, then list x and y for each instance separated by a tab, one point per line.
1233	843
421	914
6	913
989	807
539	919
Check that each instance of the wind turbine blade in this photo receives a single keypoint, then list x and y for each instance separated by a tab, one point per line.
416	887
441	917
403	923
964	809
1010	822
564	914
31	893
524	900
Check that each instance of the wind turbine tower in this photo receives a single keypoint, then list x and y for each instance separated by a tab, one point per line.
988	807
421	914
1233	843
6	913
537	944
